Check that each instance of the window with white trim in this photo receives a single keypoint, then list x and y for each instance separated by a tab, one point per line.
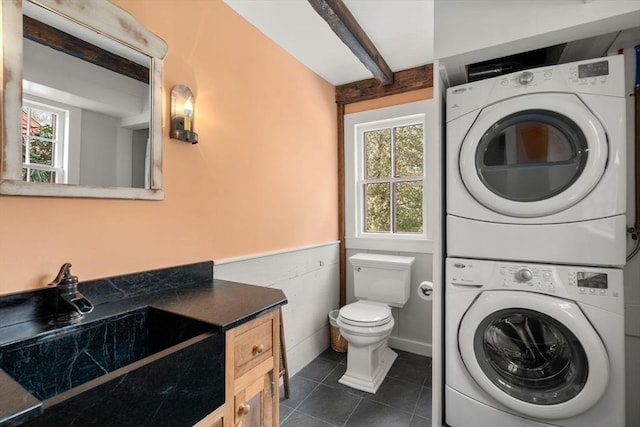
391	178
44	143
386	178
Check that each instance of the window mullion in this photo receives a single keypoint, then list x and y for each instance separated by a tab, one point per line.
392	180
392	196
36	166
375	180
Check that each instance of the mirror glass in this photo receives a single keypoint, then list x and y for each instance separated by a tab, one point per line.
89	112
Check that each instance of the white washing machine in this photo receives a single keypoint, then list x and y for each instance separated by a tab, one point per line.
536	167
533	345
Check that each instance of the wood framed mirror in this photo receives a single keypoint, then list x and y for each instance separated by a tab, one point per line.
81	101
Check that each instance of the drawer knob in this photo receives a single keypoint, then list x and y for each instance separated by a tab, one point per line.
244	409
258	348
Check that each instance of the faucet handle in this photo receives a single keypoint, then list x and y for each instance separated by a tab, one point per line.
64	275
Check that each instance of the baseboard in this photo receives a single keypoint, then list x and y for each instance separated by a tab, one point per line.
410	346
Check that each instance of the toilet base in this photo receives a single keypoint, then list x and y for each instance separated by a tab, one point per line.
367	366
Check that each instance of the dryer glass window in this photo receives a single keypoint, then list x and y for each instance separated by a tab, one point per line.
531	356
531	155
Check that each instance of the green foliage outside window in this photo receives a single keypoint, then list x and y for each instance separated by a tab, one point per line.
393	188
409	207
378	212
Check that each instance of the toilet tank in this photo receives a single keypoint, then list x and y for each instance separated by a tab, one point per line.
382	278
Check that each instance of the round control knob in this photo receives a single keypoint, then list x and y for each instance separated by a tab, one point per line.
524	275
526	78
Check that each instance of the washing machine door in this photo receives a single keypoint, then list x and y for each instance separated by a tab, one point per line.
533	155
535	354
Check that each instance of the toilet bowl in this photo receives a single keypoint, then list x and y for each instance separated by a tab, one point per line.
368	356
380	281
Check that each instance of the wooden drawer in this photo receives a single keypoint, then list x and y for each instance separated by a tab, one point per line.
253	344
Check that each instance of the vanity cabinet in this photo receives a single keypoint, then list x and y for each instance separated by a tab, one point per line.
252	372
252	360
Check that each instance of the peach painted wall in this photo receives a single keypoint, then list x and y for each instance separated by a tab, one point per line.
262	178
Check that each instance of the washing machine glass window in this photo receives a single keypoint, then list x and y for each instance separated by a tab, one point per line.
531	356
512	343
531	155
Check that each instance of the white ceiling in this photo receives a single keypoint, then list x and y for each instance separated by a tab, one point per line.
401	30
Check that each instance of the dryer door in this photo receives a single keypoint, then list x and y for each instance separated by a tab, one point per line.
533	155
537	355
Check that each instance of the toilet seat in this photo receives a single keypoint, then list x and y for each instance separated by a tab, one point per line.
365	314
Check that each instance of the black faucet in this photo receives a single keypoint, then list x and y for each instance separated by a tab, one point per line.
71	305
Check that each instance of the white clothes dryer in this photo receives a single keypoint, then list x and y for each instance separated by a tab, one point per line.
536	167
533	345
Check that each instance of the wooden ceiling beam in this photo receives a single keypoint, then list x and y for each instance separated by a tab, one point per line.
404	81
342	22
47	35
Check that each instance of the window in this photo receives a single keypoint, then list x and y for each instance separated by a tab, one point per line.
387	189
43	143
392	182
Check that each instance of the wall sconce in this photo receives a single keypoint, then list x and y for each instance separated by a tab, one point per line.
183	114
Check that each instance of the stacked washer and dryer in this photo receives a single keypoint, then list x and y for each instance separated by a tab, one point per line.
536	234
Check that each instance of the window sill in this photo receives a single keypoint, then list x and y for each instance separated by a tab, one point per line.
389	244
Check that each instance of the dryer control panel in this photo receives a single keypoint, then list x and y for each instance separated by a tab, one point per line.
600	76
597	286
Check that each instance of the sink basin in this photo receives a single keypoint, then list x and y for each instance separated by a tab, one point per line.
149	361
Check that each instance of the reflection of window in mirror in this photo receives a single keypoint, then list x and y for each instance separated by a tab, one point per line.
64	125
44	143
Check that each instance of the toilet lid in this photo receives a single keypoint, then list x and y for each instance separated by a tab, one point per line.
364	313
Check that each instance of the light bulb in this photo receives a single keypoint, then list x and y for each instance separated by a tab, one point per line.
188	110
188	107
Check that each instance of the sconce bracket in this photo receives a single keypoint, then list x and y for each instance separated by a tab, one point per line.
185	135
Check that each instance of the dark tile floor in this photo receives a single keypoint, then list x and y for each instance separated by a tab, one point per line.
318	400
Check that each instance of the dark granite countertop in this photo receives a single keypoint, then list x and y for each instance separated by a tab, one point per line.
190	291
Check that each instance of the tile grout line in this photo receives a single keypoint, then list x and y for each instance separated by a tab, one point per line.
353	411
308	394
300	403
318	384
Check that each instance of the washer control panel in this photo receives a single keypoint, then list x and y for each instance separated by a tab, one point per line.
593	285
531	277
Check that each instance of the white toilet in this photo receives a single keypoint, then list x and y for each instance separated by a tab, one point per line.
379	281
